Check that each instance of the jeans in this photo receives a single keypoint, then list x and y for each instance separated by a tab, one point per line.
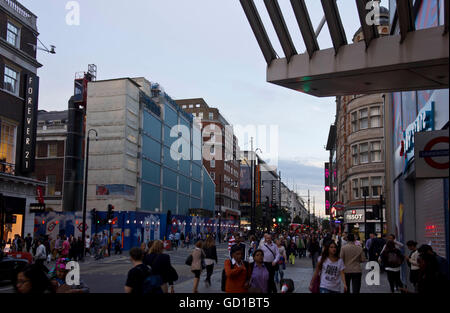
355	279
394	280
209	272
324	290
280	272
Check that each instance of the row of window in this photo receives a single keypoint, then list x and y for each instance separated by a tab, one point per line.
369	187
366	152
52	151
11	80
190	106
200	115
366	118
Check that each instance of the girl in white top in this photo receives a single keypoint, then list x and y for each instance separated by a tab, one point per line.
331	271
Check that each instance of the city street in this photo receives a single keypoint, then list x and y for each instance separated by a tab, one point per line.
109	275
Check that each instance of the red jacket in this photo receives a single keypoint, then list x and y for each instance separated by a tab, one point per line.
236	278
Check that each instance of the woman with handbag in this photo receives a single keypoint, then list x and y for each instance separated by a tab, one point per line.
198	263
211	257
159	262
329	275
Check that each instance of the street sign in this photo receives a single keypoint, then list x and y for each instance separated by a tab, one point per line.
431	151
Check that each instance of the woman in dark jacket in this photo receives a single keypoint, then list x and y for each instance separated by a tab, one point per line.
160	265
210	256
314	250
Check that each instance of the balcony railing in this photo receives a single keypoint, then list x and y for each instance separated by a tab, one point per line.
7	168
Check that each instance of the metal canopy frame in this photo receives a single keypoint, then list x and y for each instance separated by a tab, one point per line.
405	18
305	25
258	29
273	8
370	31
334	22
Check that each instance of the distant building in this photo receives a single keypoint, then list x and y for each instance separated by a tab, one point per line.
50	154
19	89
223	155
142	160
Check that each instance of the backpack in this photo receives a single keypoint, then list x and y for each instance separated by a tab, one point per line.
152	284
224	275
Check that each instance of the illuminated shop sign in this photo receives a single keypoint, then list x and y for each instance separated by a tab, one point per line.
423	122
29	127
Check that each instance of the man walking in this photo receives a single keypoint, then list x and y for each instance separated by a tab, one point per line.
271	258
28	242
41	255
352	256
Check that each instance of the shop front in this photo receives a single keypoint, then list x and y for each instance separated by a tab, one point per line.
355	222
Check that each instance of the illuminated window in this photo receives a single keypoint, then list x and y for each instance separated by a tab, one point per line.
10	81
375	117
363	119
375	151
364	153
52	150
12	35
8	134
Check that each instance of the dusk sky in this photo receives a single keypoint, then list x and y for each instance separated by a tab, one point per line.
195	49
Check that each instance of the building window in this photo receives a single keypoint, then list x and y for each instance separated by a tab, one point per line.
375	117
213	176
51	185
376	186
52	150
363	119
12	35
213	163
197	105
191	106
213	150
355	154
212	138
364	153
355	188
364	183
375	151
211	115
8	134
354	122
200	115
10	80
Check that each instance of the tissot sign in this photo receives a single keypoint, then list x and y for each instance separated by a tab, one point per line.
29	123
354	216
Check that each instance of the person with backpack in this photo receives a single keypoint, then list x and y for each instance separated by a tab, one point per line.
139	279
197	264
160	265
392	259
236	272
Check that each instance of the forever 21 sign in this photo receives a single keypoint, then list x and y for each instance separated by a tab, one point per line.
29	128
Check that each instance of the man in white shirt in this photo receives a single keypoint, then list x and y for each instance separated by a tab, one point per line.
271	258
41	255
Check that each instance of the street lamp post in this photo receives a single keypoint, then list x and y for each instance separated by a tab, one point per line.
86	165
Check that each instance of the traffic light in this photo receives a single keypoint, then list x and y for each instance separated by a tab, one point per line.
279	220
110	214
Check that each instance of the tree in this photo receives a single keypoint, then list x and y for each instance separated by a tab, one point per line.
297	220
